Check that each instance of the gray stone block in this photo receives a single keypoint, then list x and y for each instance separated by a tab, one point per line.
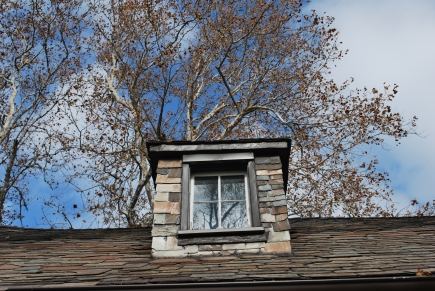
191	249
265	204
275	160
280	203
159	218
162	171
159	243
268	193
165	230
239	246
279	197
266	199
262	160
174	196
264	187
175	173
264	193
275	236
161	196
169	254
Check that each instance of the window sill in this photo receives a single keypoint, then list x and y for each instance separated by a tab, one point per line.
221	232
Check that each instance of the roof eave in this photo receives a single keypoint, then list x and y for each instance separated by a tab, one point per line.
355	284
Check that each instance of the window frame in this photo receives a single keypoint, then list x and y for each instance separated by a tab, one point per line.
246	159
220	174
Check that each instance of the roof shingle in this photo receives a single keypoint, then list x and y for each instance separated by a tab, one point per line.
321	248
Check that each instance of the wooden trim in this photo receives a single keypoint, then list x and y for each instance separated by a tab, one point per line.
221	231
218	147
222	239
185	197
255	212
218	157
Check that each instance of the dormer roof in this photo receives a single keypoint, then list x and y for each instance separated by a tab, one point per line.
158	150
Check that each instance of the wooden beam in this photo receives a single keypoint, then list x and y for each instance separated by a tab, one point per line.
222	239
218	157
218	147
219	231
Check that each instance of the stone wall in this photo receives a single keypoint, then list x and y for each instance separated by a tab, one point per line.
167	208
273	204
273	213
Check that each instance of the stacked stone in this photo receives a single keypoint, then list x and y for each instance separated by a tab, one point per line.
273	204
167	207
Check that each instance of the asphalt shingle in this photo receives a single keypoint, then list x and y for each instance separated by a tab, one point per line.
321	248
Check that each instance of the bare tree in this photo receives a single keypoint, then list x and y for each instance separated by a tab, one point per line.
211	70
132	41
260	68
39	42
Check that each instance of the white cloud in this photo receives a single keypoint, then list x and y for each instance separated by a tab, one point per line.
393	41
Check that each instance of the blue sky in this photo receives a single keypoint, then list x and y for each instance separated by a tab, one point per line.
389	41
393	41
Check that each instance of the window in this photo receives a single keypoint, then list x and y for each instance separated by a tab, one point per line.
219	193
219	200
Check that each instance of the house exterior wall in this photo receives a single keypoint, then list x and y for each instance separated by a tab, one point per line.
272	206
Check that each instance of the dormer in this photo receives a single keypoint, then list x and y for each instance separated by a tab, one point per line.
220	198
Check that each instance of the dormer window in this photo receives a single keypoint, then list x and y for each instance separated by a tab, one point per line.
219	200
220	197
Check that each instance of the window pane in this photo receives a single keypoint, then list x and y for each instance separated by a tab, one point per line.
205	215
233	187
234	215
205	189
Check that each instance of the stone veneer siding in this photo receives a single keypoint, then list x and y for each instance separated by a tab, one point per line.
272	205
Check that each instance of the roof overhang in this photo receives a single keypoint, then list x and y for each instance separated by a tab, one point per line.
260	147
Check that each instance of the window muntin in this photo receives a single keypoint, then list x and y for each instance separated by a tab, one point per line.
219	200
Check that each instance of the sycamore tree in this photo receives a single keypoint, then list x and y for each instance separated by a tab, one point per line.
38	51
215	70
191	70
122	101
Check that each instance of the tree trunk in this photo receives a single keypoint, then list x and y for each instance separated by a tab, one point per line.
7	181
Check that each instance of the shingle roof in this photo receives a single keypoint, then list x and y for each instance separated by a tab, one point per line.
321	248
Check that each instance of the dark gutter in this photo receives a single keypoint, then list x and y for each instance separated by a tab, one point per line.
355	284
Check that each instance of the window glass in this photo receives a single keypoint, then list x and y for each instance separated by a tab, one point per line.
205	216
206	189
233	187
219	201
234	215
